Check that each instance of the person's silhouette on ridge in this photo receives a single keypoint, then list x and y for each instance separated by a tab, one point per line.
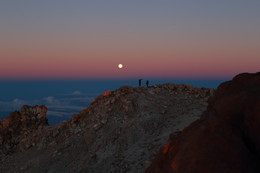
147	83
140	82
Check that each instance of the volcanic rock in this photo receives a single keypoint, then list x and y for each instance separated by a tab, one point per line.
120	131
19	125
226	138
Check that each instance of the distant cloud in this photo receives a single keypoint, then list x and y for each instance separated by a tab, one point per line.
59	114
80	99
17	102
76	93
62	107
68	108
51	100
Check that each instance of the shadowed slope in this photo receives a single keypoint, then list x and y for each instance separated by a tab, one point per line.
227	137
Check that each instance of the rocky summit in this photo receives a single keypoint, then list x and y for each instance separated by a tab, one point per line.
121	131
227	137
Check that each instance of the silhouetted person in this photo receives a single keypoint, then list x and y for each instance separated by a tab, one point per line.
147	83
140	82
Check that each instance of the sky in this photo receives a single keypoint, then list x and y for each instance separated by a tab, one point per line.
79	39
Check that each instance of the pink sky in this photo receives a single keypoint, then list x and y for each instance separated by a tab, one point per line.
164	40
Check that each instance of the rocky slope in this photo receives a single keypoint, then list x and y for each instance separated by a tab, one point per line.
121	131
226	139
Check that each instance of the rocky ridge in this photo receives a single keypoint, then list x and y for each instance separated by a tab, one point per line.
121	131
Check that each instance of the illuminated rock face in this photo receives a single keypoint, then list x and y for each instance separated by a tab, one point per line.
227	137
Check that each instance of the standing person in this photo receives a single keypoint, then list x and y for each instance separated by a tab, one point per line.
147	83
140	82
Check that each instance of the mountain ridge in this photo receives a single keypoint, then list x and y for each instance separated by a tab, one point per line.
120	131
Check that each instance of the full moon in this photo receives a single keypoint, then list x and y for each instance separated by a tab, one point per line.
120	65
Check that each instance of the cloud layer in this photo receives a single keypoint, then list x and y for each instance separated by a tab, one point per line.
60	107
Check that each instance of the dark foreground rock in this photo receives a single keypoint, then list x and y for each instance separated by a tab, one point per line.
226	139
121	131
19	125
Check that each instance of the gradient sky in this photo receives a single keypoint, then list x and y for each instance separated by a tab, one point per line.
79	39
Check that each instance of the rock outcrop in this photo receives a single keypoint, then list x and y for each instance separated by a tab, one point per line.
19	125
121	131
227	137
